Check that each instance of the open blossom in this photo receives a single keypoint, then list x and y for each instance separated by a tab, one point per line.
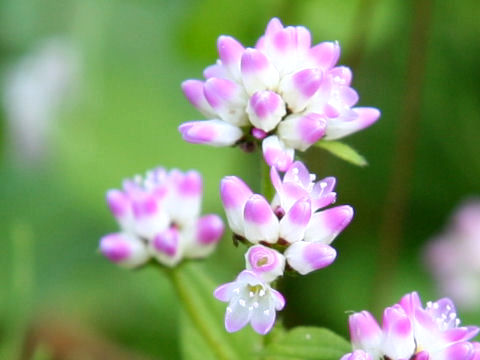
294	221
453	256
159	217
412	332
251	300
284	94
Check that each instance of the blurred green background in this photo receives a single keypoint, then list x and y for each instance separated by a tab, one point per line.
415	60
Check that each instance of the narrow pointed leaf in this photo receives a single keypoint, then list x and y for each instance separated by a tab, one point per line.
343	151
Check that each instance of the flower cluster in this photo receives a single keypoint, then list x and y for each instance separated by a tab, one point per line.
159	217
283	93
412	332
453	256
290	231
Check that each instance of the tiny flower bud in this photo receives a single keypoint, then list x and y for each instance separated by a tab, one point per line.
363	117
398	332
230	52
301	132
193	91
297	89
276	153
306	257
234	194
265	262
123	249
166	247
261	224
365	332
327	224
295	221
210	132
325	54
186	199
265	110
228	99
257	72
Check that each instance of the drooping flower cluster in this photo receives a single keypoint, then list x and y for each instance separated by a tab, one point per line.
453	256
283	93
412	332
159	217
291	230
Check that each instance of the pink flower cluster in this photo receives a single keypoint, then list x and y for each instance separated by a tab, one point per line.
412	332
453	256
283	93
292	231
159	217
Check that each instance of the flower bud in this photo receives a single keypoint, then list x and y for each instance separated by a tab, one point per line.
193	91
306	257
365	332
297	89
302	131
261	224
257	72
234	194
210	132
265	262
166	247
124	250
276	153
327	224
265	110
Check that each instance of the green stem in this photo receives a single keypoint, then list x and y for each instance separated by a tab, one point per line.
184	284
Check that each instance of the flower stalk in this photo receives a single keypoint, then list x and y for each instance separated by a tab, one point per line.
185	285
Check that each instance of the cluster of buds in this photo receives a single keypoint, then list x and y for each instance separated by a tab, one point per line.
412	332
283	94
159	217
292	232
453	256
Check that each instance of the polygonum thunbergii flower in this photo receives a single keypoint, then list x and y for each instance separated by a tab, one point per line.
284	94
412	332
159	217
251	300
294	221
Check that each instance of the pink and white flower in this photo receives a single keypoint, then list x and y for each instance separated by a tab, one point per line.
267	263
412	332
251	300
453	256
284	94
159	217
293	220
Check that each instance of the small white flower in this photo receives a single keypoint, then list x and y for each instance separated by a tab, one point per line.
251	300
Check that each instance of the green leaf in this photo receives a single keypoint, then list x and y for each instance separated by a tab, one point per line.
343	151
307	343
202	329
